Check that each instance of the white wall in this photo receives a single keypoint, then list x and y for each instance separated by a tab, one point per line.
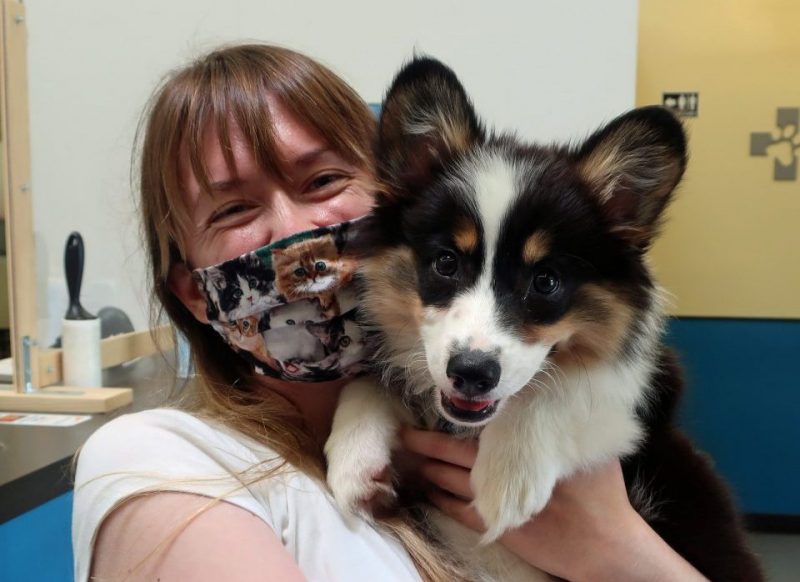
552	70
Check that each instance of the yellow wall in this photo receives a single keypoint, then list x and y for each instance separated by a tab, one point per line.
731	246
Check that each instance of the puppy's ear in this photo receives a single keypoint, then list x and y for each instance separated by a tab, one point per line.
426	120
633	165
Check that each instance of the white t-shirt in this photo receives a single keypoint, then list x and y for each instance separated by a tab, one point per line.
170	450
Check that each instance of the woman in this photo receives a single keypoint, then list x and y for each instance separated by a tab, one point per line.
244	148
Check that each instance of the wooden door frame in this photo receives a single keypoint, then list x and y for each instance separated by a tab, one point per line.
36	369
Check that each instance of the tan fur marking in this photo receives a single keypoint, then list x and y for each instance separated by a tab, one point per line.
591	332
391	299
550	334
456	136
466	236
600	170
536	247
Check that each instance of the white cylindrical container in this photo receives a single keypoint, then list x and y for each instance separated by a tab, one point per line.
80	341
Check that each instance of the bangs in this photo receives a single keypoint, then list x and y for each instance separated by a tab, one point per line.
232	86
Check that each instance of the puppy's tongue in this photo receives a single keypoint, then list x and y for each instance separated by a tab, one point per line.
471	405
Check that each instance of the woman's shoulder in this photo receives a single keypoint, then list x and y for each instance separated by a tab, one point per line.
172	443
158	420
161	428
169	450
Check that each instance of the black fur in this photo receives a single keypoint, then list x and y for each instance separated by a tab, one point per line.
696	514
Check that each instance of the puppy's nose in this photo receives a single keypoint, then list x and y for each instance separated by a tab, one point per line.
473	372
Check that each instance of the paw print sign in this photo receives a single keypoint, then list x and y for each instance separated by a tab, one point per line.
783	144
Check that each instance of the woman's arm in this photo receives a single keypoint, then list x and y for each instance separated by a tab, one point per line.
587	531
155	538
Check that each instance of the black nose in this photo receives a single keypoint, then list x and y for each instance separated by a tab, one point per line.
473	372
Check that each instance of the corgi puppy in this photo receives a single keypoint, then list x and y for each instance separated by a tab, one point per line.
512	301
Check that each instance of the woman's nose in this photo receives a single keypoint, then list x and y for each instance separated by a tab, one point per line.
289	217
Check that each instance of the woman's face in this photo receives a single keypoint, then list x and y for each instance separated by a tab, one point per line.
251	207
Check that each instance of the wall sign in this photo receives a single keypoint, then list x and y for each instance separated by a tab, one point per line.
682	104
783	149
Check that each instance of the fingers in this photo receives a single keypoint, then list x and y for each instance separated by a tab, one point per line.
448	477
448	463
441	446
458	509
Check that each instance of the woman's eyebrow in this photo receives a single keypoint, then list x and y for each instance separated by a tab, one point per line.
310	157
225	185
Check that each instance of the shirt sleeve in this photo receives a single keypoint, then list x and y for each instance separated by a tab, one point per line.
163	450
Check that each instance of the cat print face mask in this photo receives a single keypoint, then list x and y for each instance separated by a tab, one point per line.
290	307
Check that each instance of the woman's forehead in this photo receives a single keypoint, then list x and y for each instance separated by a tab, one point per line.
295	144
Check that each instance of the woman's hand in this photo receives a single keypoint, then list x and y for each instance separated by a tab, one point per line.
587	531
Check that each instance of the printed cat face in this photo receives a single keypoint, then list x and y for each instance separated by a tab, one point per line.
239	288
340	337
245	334
246	327
293	342
351	350
296	313
310	268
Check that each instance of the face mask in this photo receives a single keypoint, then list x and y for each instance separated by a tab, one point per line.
290	307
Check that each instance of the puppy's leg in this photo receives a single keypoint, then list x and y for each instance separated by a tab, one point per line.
538	439
363	434
516	469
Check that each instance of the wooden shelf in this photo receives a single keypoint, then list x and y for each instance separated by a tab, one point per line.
65	399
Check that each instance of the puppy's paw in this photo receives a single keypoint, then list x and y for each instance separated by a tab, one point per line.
362	488
359	472
508	492
359	449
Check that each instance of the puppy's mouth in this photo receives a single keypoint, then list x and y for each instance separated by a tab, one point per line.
468	411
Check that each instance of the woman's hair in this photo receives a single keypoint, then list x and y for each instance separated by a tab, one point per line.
230	85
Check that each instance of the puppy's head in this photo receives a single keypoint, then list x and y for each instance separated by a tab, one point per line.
499	259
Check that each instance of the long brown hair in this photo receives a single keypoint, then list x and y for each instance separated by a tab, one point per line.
231	85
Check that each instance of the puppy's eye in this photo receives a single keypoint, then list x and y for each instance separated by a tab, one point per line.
299	272
446	264
546	281
320	266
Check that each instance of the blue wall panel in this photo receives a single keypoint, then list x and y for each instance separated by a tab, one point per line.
742	405
37	545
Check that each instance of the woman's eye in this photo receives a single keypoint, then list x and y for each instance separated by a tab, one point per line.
228	211
324	180
546	281
446	264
